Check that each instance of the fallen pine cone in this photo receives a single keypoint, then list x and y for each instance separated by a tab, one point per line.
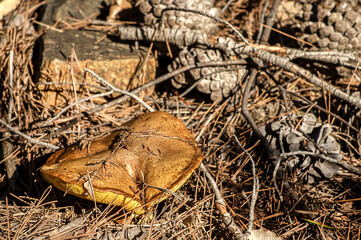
283	138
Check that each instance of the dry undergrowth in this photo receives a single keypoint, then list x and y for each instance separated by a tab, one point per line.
30	209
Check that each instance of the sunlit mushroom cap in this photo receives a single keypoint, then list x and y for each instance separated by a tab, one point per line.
128	167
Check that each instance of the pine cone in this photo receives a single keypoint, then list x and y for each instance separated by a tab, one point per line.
152	10
293	140
213	81
216	81
331	25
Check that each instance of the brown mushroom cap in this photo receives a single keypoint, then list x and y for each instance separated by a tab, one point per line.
128	167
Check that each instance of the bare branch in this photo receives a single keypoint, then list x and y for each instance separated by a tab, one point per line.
75	103
346	166
187	37
30	139
220	203
135	97
254	190
164	78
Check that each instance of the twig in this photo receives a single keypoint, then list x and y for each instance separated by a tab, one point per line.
179	37
278	164
229	2
48	26
270	21
170	192
246	114
70	83
323	110
75	103
270	152
135	97
260	31
254	190
220	202
11	80
6	147
31	140
188	37
346	166
289	66
338	58
164	78
185	37
221	206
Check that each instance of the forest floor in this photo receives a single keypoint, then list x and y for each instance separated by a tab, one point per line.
281	133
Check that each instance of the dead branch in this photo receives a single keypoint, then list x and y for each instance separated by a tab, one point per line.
135	97
30	139
164	78
346	166
254	189
75	103
184	38
220	202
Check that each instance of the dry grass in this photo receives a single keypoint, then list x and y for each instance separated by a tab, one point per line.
30	209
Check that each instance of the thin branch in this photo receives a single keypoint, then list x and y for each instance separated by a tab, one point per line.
115	89
221	206
260	30
11	80
270	152
220	202
289	66
229	2
164	78
346	166
180	37
254	189
70	83
75	103
30	139
187	37
270	21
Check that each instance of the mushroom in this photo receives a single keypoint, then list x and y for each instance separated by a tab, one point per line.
130	167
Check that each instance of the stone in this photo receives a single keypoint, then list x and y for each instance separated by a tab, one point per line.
66	54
